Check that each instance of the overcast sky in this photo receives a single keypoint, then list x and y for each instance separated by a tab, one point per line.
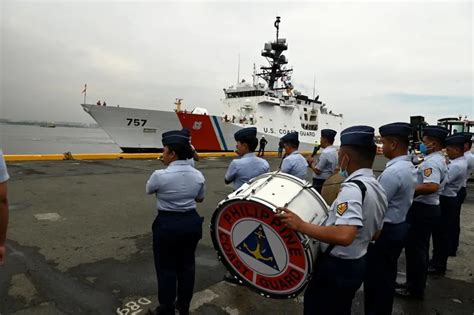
374	62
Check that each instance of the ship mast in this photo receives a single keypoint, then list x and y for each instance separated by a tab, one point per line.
276	70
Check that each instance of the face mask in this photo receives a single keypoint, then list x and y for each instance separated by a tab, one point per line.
423	148
343	172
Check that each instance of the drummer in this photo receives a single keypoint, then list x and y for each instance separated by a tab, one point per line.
177	228
399	182
248	165
325	166
293	163
353	220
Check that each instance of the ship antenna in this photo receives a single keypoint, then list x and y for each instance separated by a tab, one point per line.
314	86
277	26
238	70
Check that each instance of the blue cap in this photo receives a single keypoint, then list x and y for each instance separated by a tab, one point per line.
328	134
358	135
245	133
457	138
436	132
290	137
396	128
174	137
467	136
186	132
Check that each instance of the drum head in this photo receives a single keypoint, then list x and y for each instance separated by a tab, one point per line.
256	248
331	188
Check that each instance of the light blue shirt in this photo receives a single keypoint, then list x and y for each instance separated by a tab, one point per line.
327	162
295	164
457	169
191	162
244	169
432	170
176	187
470	166
348	209
399	182
3	169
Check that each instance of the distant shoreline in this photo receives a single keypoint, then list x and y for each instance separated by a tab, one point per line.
48	123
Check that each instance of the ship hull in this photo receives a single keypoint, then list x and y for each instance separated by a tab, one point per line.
139	131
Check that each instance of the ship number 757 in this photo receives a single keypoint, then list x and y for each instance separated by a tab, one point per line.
136	122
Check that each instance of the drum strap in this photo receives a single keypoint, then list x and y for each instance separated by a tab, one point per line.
363	189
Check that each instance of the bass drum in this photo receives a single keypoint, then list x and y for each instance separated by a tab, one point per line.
255	246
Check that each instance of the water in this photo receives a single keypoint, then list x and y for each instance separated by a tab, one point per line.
20	139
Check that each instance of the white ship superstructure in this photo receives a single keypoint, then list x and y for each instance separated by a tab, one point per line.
274	106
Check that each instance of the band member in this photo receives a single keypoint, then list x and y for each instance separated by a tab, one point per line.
293	163
248	165
450	205
399	181
424	212
353	220
325	166
462	193
177	228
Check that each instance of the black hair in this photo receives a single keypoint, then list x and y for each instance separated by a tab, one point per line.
364	154
459	146
469	143
292	143
252	142
330	140
401	139
183	151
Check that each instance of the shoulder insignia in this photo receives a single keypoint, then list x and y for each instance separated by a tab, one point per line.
341	208
427	171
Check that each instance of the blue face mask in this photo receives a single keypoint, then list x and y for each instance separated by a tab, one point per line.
343	172
423	148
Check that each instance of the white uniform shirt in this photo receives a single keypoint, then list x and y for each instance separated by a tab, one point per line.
432	170
457	170
176	187
327	162
3	169
349	209
295	164
399	182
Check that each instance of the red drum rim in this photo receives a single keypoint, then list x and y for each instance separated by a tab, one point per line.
258	250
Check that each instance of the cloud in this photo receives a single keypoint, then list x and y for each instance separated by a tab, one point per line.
372	61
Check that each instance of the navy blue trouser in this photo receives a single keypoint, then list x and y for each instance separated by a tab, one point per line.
444	231
175	238
381	274
421	217
457	228
318	184
333	285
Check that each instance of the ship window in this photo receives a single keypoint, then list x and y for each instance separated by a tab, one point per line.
305	109
298	102
312	118
305	116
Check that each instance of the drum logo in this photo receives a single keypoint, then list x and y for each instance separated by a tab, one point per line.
257	247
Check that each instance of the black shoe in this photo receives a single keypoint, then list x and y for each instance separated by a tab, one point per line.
162	310
399	285
436	271
183	309
405	293
231	280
